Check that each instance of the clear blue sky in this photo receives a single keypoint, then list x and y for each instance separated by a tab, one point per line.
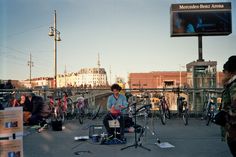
130	35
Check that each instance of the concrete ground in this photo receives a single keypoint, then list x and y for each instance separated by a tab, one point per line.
194	140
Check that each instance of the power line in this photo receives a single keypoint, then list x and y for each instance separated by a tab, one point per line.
16	60
24	54
7	55
28	30
13	49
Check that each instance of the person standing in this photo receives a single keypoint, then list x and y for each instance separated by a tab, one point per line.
229	102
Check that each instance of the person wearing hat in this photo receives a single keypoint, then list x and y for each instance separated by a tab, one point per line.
229	102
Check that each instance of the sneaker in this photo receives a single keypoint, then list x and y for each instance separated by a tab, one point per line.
42	128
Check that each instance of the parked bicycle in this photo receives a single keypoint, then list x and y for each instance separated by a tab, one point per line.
211	111
82	110
183	109
164	110
61	107
57	109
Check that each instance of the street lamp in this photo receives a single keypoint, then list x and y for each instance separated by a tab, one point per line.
54	32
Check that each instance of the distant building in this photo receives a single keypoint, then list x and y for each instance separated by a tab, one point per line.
86	77
219	79
92	76
15	84
40	81
160	79
157	79
67	80
202	74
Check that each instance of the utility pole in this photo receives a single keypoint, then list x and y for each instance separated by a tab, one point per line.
30	64
55	48
54	32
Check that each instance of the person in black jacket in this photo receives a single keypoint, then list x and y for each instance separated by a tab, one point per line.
35	107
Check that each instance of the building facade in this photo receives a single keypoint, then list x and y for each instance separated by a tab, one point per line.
169	79
157	79
202	74
93	76
89	77
40	81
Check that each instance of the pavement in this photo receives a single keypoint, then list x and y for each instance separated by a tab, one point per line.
194	140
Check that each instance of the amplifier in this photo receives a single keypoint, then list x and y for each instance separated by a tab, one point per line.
96	130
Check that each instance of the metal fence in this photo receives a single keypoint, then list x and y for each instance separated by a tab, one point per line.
196	98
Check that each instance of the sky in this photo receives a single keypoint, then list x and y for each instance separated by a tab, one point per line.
130	36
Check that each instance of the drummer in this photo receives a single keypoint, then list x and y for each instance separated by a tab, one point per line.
115	103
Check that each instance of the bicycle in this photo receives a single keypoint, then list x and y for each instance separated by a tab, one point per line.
164	110
57	109
211	111
82	110
183	109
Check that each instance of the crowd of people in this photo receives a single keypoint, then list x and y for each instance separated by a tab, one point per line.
35	109
32	107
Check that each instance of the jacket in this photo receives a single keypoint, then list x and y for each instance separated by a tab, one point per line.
229	105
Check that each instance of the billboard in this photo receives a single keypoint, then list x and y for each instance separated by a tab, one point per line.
193	19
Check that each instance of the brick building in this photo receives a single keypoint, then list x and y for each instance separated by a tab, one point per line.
157	79
160	79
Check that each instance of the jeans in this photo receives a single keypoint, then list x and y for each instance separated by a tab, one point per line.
111	131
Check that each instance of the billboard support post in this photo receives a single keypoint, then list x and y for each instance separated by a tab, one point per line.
200	59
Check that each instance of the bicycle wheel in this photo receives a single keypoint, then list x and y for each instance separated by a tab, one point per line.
70	107
60	116
180	110
96	112
162	116
185	117
80	116
208	119
167	113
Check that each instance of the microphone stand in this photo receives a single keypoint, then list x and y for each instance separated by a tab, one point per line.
136	144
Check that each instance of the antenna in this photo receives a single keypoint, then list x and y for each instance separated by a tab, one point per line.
99	64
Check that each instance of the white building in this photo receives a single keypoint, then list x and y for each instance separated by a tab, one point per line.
92	76
67	80
86	76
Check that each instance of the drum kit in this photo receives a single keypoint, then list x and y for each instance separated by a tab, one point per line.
144	109
136	108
